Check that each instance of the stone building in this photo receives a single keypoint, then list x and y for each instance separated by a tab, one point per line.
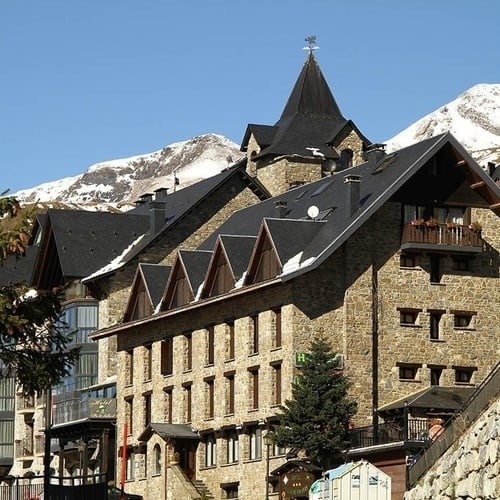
395	260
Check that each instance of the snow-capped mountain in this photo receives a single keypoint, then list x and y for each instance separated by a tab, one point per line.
121	182
473	118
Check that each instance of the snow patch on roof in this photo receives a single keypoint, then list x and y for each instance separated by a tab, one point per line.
116	263
294	264
241	281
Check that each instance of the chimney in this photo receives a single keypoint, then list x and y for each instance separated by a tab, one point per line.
161	194
146	197
374	153
157	215
281	208
353	193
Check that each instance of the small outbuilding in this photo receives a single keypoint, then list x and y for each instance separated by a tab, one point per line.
355	481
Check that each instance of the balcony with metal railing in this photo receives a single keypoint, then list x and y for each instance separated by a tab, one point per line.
74	410
414	434
24	449
25	404
431	235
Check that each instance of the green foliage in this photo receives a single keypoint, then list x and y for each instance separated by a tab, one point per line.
316	418
33	347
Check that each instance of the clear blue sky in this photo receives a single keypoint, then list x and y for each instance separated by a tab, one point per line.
84	81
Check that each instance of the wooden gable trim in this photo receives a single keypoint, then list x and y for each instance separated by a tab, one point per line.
264	263
132	304
217	271
178	278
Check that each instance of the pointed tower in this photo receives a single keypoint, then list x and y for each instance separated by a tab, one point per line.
311	139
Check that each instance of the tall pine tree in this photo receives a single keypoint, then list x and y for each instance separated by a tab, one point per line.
316	419
33	347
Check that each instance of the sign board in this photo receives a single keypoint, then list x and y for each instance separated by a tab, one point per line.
295	484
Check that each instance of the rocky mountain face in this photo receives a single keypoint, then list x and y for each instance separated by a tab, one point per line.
473	118
121	182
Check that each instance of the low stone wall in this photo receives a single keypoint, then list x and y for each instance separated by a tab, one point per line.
470	469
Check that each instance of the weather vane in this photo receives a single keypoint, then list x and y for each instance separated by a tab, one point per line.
311	43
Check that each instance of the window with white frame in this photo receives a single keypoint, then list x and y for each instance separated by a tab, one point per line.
210	451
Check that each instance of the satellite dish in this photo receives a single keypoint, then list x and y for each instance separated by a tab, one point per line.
313	211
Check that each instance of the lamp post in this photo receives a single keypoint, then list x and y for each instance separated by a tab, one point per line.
267	442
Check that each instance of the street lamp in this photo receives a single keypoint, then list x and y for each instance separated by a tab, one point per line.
268	443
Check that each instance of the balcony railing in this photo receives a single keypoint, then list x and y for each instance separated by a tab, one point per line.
389	432
24	448
25	404
417	234
73	410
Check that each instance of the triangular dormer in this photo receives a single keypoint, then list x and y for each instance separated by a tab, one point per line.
147	287
264	262
186	277
229	262
310	140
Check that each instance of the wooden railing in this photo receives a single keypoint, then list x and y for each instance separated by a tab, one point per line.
441	234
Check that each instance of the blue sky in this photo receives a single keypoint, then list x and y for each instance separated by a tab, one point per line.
84	81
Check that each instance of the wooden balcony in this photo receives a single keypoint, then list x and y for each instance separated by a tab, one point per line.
422	236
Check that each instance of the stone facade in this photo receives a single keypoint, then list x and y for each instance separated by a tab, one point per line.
471	468
355	297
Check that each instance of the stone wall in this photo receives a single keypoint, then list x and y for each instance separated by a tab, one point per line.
470	469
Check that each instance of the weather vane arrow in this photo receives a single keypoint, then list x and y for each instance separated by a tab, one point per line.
311	43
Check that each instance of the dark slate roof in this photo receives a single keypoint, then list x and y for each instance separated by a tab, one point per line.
18	269
195	263
238	250
290	236
86	241
433	399
180	203
309	122
380	180
169	431
155	278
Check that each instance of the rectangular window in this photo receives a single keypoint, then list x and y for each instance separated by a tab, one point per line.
463	374
169	405
229	392
229	340
188	395
130	464
188	351
277	450
408	316
254	387
210	395
148	361
232	444
434	324
408	371
463	319
407	260
435	268
230	491
147	409
277	327
167	356
436	375
276	367
255	443
210	345
254	334
210	451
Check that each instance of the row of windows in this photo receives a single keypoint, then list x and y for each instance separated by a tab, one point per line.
228	407
231	442
410	372
167	347
411	317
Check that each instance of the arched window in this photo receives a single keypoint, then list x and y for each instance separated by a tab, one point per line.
157	459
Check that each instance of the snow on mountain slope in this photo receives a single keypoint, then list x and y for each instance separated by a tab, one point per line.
473	118
123	181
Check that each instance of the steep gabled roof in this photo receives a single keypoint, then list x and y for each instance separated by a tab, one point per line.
238	250
153	278
191	265
177	206
309	123
79	242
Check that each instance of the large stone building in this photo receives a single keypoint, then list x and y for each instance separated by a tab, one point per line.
393	257
204	312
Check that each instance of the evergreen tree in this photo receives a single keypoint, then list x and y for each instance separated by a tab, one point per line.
316	419
33	346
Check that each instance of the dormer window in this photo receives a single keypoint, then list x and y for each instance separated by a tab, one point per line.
346	157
